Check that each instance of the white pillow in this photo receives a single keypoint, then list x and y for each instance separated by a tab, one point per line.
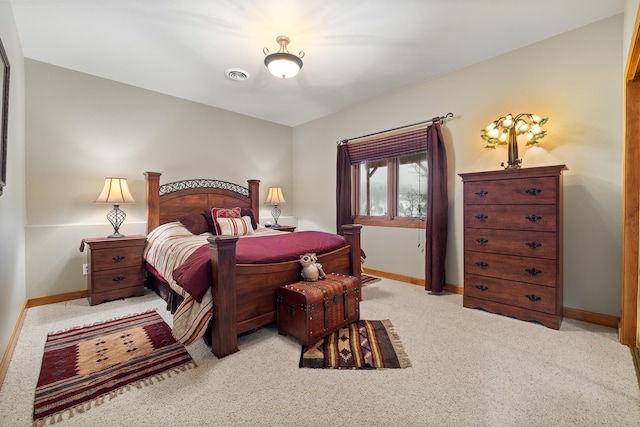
235	226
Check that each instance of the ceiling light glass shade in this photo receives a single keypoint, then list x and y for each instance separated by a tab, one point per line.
282	63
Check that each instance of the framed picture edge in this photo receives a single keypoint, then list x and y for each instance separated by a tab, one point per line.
4	115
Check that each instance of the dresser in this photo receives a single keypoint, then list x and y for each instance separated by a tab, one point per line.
116	267
513	243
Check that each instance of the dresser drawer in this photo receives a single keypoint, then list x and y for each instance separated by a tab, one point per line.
525	295
106	280
539	244
515	217
540	271
512	191
122	257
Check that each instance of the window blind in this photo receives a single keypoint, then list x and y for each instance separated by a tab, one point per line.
388	146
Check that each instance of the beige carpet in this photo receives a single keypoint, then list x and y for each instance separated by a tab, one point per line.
469	368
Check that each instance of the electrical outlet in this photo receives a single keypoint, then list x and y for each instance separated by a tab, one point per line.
85	269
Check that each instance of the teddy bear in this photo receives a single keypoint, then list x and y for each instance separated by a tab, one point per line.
311	269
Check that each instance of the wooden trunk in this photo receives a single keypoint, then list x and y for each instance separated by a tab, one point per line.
309	311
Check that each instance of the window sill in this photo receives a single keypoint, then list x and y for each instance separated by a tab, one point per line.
387	222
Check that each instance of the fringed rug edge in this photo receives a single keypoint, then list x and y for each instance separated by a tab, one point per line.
110	395
403	357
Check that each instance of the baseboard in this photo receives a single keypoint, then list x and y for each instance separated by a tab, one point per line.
28	303
570	313
11	345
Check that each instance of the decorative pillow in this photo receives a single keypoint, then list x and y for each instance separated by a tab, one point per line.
248	212
195	222
217	213
235	226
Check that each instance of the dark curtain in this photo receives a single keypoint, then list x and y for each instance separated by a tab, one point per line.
343	188
437	209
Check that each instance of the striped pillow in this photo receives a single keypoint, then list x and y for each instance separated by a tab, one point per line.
235	226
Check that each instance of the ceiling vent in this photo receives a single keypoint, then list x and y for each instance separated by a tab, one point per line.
236	74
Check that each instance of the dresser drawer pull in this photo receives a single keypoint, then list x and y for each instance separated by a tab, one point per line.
533	245
482	288
533	218
533	298
482	217
481	193
533	271
533	191
118	258
482	264
118	279
482	241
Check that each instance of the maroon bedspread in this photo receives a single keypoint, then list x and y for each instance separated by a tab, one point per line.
194	275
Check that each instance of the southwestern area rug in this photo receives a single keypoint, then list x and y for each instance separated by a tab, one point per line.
86	365
366	344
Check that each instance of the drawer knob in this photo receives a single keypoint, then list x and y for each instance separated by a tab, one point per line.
533	191
533	298
481	287
482	217
118	258
481	193
118	279
533	218
533	245
482	241
533	271
482	264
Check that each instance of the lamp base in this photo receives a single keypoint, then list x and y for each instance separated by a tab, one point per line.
275	213
116	217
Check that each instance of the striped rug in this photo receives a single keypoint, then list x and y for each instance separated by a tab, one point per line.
86	365
366	344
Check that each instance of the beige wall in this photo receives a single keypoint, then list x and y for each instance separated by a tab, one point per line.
81	129
575	79
12	202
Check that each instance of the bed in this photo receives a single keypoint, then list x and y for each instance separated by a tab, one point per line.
242	294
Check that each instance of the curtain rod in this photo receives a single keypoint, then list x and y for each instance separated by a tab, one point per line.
441	118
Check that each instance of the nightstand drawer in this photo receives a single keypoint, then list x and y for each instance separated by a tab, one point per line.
105	259
107	280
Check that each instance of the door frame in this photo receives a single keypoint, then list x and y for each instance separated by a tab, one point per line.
628	327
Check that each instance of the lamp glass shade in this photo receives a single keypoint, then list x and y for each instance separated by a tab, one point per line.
115	192
275	196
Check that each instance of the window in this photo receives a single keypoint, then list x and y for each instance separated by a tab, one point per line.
392	192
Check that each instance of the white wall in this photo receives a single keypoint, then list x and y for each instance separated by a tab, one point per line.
575	79
12	202
81	129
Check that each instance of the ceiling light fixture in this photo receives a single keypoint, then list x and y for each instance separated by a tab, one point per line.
282	63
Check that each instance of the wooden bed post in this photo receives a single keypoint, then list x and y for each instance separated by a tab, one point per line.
153	199
224	329
254	197
351	234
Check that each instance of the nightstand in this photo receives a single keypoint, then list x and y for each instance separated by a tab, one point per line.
288	228
116	267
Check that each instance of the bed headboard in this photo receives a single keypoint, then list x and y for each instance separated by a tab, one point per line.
167	201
